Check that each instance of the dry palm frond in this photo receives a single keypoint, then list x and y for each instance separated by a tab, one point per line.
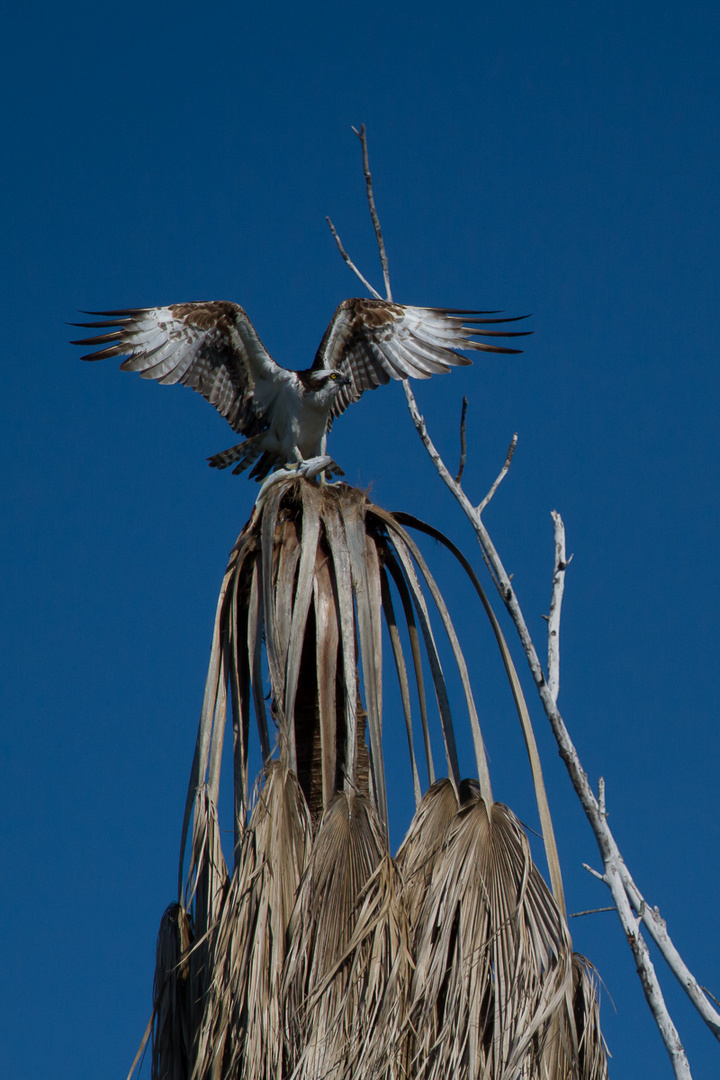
310	576
349	958
548	832
425	837
492	953
207	894
240	1013
575	1048
184	970
172	1032
320	956
592	1050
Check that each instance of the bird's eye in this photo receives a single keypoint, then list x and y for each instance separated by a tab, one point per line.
334	376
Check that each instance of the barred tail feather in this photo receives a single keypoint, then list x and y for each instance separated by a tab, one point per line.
266	463
245	453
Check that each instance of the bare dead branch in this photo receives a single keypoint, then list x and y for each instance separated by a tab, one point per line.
616	875
350	263
500	476
606	842
463	441
657	929
561	562
373	212
646	969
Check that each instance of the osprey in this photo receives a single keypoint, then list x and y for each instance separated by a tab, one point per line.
214	348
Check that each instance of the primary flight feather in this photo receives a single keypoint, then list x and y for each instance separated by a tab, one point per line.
214	348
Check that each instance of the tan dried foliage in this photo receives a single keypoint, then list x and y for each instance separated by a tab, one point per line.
320	956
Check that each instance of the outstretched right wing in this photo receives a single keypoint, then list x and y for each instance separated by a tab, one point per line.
373	341
211	347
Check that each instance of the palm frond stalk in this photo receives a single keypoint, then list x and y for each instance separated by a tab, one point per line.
316	954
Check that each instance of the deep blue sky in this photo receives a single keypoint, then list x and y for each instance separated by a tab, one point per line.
560	159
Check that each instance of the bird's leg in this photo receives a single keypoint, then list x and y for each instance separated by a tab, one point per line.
323	453
296	461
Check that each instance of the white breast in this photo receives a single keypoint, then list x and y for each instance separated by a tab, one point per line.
295	424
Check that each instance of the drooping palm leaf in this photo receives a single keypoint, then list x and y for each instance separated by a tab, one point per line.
349	958
241	1013
575	1048
492	953
172	1027
320	557
319	955
521	707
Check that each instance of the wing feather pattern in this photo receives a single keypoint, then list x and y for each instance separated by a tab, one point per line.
211	347
373	341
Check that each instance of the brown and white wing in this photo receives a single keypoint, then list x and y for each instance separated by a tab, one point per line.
373	341
211	347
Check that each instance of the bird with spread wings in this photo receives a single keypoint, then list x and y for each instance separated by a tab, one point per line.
285	415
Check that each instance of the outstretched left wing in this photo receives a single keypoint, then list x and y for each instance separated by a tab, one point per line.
373	341
210	346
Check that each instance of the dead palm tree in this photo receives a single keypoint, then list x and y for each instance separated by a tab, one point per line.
317	954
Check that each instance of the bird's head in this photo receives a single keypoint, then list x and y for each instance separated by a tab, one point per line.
323	385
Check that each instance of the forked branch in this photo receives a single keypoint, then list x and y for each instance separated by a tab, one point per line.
362	136
350	263
501	475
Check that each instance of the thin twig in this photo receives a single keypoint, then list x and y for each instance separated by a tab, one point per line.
350	263
439	464
373	212
463	441
561	562
591	911
500	476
